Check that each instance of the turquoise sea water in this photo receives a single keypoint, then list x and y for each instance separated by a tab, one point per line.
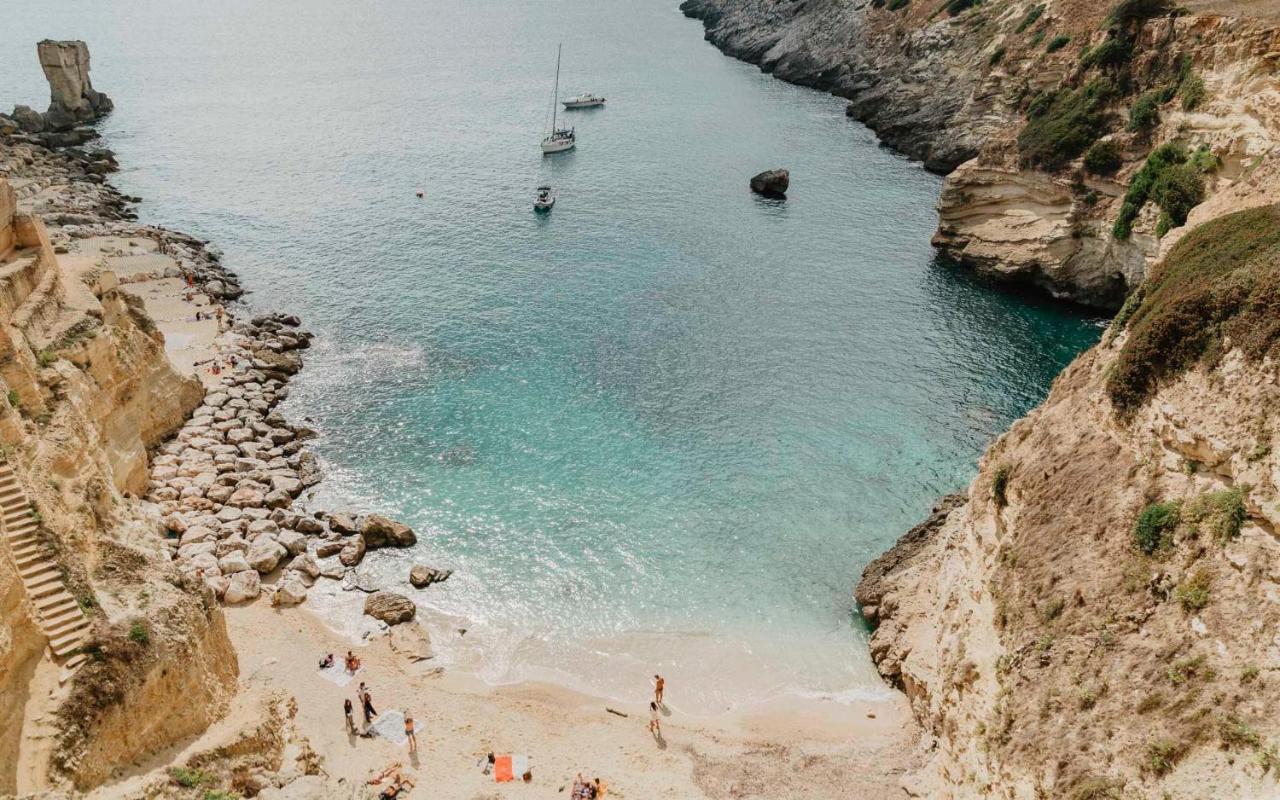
663	428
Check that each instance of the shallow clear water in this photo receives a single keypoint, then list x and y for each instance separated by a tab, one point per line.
663	428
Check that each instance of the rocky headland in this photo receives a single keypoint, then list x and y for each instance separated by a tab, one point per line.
1075	136
1095	616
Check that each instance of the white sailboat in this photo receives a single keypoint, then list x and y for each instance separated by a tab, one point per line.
560	139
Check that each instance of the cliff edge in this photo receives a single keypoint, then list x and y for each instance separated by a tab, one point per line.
1096	619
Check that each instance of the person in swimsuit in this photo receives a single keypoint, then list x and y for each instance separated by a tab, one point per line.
408	731
351	723
658	686
655	727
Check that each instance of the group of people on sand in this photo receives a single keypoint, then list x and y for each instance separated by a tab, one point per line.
584	789
396	786
655	726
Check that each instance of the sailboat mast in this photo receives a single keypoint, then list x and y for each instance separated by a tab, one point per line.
555	99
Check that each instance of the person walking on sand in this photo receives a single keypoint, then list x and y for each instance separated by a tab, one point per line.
655	727
408	732
366	701
351	723
658	685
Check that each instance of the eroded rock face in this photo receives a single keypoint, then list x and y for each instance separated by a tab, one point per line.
1024	619
72	98
390	607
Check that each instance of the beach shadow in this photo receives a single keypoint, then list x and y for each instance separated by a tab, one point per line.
666	712
352	736
661	741
413	759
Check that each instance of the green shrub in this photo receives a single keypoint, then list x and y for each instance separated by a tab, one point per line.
997	56
896	5
1163	225
1205	160
1191	92
1030	19
1052	609
1037	38
1177	190
1185	669
1145	112
1235	732
189	778
1220	514
1103	158
1220	282
1062	125
1141	187
12	397
1000	485
1155	526
1134	11
46	357
1116	51
1249	674
955	7
138	634
220	794
1162	754
1193	593
1057	43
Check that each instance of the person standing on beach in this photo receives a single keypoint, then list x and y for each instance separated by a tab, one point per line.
367	703
408	731
655	727
658	685
351	723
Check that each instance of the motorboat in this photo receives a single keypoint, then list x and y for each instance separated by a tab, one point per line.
584	100
545	199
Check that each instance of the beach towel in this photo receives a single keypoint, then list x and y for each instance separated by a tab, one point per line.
390	726
502	769
338	674
508	768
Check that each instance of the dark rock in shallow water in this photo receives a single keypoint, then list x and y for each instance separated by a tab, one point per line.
422	576
390	607
379	531
771	183
28	119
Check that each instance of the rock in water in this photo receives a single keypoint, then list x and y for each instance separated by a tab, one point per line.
771	183
72	98
379	531
390	607
422	576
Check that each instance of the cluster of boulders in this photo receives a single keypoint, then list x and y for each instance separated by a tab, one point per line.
227	484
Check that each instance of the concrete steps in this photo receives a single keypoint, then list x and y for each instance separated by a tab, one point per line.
60	616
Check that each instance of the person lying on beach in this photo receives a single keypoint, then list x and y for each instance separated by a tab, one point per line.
399	785
327	661
599	788
353	662
392	768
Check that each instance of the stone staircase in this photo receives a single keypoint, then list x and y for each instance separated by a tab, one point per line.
60	617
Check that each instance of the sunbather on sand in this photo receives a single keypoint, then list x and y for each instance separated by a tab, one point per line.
399	786
353	662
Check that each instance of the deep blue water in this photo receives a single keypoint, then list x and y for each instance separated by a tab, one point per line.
663	428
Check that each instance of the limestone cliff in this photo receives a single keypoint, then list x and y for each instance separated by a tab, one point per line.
1046	116
1097	618
99	630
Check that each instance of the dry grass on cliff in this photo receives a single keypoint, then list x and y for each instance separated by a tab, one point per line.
1219	285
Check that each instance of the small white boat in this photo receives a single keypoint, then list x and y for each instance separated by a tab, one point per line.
584	100
545	199
559	139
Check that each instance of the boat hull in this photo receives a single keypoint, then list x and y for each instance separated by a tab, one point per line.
569	105
557	146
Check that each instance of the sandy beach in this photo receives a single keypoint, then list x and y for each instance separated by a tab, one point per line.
792	748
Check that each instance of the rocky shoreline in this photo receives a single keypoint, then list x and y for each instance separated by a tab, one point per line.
226	484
